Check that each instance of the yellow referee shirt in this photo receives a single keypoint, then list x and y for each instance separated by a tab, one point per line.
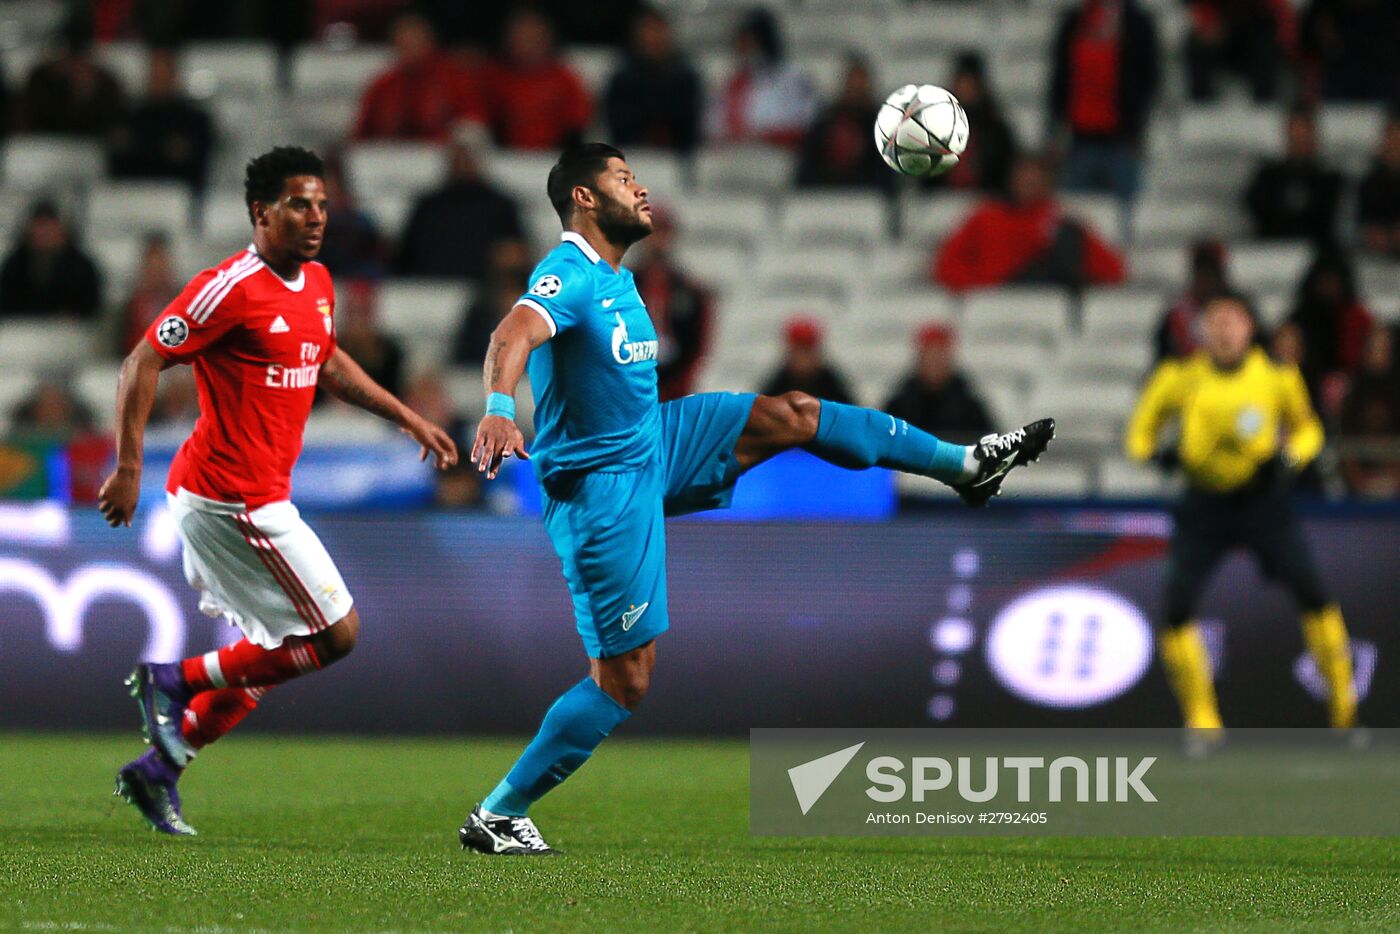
1231	421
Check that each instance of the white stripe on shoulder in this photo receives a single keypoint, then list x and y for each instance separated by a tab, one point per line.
543	312
215	298
215	281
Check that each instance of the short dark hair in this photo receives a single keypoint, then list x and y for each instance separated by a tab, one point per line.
577	165
268	173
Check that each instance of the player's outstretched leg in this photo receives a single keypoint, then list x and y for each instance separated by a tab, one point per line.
149	782
856	438
164	691
573	727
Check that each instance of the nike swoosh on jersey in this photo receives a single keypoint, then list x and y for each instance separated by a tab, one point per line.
607	302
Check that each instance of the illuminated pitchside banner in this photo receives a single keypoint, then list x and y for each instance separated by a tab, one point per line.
1008	617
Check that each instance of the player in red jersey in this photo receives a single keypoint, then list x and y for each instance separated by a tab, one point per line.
259	331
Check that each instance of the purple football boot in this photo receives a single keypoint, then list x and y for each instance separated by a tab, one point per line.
162	694
148	784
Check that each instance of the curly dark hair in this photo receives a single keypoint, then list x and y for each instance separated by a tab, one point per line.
268	173
580	164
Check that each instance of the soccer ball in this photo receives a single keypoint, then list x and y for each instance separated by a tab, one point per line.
921	130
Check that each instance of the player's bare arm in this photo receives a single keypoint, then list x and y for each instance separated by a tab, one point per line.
346	380
136	393
514	339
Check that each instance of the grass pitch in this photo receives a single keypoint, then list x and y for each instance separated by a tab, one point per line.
334	835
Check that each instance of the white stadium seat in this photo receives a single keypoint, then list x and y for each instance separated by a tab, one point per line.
1050	479
1015	363
951	26
744	168
126	60
43	344
521	174
16	384
1103	214
1112	314
895	316
835	33
34	163
229	68
341	426
836	217
425	315
719	265
1277	264
1173	221
1006	402
95	386
741	220
813	270
1092	357
1122	479
930	219
123	208
318	71
1158	266
395	167
1231	128
1029	313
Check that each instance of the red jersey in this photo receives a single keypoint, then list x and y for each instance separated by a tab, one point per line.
256	343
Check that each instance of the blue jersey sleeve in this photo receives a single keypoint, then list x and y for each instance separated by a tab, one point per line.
560	291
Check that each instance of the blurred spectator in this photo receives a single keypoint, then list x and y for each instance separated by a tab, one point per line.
460	487
804	367
837	151
505	282
358	335
1296	196
654	97
986	165
46	273
1286	346
1248	38
423	95
70	93
1181	331
1378	201
936	396
766	99
1334	326
1372	413
1349	47
353	247
1102	86
1025	239
52	411
681	308
534	100
155	287
166	135
451	231
177	398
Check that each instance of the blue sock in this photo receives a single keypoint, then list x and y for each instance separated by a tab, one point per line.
579	720
856	438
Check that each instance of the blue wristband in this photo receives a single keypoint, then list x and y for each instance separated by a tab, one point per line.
498	403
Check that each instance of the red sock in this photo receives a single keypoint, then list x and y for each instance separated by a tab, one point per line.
246	665
211	714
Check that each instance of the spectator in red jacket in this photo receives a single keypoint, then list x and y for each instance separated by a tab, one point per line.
423	95
1025	239
535	100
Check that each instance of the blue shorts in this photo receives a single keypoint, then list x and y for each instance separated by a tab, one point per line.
609	530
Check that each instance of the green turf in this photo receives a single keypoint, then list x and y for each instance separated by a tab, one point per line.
318	834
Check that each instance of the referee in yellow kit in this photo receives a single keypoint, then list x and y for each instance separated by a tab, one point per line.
1244	427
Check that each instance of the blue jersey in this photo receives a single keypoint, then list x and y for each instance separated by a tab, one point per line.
595	378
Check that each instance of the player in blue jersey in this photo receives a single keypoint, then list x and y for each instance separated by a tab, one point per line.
613	463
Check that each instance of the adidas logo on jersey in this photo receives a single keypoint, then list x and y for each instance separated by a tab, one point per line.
279	326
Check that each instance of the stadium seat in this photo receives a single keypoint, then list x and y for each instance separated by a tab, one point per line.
1040	314
946	26
323	121
123	208
928	219
660	171
1092	357
395	167
744	169
127	60
1103	214
1019	363
1158	266
1112	314
860	219
464	385
1350	128
1277	264
1089	414
749	324
95	385
1050	479
834	33
229	69
912	66
742	220
1274	306
45	344
340	426
322	72
1206	129
35	163
593	66
16	384
816	270
425	314
1122	479
894	317
1161	221
391	212
1006	402
520	174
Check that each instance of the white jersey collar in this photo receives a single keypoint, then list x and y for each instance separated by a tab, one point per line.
293	285
576	238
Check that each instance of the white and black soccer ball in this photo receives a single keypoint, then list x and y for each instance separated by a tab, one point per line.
921	130
173	331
